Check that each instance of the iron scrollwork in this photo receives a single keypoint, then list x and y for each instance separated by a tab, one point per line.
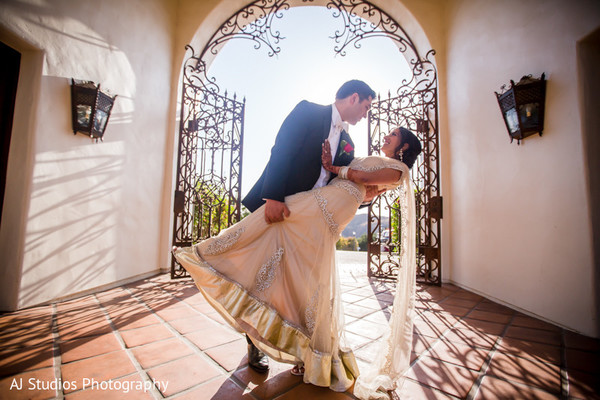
254	23
415	112
208	181
363	20
414	106
205	113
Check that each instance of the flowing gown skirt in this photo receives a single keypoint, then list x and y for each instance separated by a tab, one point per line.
279	284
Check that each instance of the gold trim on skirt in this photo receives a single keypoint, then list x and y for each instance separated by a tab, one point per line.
270	333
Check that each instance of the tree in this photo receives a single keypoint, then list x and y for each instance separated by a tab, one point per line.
349	243
395	224
363	242
213	210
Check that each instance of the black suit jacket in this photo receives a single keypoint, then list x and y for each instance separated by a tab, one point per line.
295	162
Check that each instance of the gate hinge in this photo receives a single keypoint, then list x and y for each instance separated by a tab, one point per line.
430	253
179	202
435	207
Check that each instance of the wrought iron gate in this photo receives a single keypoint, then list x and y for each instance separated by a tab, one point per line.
208	182
209	164
211	132
415	109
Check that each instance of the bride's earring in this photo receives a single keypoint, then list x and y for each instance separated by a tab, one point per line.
401	154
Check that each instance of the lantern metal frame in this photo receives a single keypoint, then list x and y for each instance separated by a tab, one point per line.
90	108
523	106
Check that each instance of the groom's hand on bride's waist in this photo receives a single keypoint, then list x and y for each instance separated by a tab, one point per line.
372	191
275	211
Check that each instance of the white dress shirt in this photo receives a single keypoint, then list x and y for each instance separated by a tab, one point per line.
337	125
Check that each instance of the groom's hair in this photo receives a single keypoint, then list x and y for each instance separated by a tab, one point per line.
355	86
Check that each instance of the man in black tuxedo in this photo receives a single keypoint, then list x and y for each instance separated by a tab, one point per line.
295	162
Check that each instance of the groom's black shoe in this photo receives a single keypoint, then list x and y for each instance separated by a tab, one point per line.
257	360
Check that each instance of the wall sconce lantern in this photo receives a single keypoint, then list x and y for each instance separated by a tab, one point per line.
522	107
90	108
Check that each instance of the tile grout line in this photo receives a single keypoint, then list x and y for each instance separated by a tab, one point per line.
486	364
182	337
146	378
57	358
231	376
191	345
475	387
436	341
174	331
544	362
434	389
494	350
188	306
373	312
241	384
443	333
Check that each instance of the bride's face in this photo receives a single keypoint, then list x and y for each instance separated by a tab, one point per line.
391	142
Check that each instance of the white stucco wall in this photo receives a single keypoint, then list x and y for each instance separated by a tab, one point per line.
90	211
520	228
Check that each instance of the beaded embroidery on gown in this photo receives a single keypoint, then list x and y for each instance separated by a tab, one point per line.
279	283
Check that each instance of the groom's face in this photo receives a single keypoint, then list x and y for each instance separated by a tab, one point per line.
358	109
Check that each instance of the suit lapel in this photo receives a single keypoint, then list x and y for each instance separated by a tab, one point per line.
345	151
326	123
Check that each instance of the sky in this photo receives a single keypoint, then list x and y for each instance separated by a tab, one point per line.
306	68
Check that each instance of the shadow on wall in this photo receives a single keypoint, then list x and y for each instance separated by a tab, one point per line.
74	212
75	204
72	223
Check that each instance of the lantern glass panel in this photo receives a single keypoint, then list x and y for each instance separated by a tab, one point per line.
84	113
512	120
530	115
100	121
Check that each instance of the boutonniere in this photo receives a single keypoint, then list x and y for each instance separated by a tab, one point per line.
345	147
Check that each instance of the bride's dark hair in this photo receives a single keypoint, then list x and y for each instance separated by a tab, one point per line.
409	156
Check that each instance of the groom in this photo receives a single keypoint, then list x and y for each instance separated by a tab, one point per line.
295	162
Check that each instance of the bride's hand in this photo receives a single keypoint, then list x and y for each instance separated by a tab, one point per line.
326	158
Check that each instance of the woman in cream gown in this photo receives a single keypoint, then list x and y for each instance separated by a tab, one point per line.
278	283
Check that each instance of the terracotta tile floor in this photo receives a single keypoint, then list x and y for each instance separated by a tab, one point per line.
157	338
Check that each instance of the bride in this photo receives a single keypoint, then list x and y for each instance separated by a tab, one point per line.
278	282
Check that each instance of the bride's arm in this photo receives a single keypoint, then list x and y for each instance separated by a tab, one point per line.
380	177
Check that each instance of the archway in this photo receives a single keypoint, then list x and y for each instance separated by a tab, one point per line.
216	122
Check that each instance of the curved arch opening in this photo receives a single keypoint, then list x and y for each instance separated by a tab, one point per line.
282	59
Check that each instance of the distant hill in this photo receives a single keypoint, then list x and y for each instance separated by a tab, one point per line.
359	225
